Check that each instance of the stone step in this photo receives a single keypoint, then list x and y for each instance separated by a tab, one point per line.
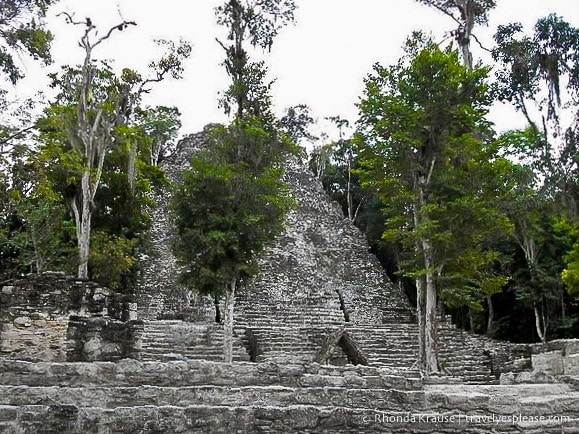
166	340
270	313
165	322
391	355
168	344
214	355
111	397
529	399
258	418
129	372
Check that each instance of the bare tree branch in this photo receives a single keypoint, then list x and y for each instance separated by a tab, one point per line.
6	140
479	43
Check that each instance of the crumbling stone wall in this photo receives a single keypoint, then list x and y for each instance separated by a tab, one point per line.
506	356
35	312
103	339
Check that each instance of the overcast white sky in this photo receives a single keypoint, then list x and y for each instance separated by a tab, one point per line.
321	61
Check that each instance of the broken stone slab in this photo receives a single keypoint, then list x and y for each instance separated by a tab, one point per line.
22	321
534	377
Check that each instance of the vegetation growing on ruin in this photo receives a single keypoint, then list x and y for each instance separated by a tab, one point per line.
481	225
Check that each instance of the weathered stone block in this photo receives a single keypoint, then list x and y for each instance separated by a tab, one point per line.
8	413
92	349
533	377
34	340
571	346
571	364
550	362
94	339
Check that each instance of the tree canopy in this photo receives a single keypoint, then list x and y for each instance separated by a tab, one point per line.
22	31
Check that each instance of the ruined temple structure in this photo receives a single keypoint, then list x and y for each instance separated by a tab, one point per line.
325	343
320	295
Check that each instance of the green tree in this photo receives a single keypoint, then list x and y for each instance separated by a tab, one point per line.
161	124
255	22
22	31
226	213
232	202
570	275
296	123
538	233
334	163
119	211
97	105
539	75
420	137
35	232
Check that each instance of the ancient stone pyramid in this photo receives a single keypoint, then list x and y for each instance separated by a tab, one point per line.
320	295
320	258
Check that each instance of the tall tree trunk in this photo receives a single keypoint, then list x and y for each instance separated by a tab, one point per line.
431	319
562	301
420	314
490	322
83	233
420	301
430	309
464	31
38	260
541	328
228	321
132	166
471	320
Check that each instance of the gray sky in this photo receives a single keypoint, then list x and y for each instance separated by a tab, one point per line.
321	61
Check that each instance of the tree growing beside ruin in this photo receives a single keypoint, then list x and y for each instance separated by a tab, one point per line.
420	146
226	213
539	75
93	127
232	202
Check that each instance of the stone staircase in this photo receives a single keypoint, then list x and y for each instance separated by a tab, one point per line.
392	345
210	397
296	333
396	346
318	272
166	340
298	330
463	356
